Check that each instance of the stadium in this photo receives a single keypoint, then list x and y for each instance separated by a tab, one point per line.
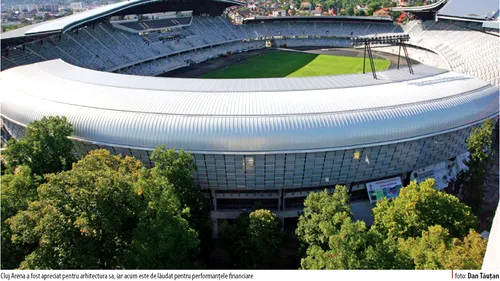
255	139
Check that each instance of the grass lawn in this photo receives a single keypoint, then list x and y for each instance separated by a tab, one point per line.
291	64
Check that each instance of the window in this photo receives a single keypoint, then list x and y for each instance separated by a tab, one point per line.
248	163
356	155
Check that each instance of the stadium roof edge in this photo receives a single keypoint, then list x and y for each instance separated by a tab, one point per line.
419	8
18	32
463	10
66	23
333	18
64	70
459	19
491	24
61	24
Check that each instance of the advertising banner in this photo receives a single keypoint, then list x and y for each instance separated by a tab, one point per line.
388	188
439	172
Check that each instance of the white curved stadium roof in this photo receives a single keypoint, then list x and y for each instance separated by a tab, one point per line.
63	23
58	25
247	115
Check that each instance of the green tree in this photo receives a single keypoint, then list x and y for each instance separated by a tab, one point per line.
6	28
232	235
395	14
107	212
330	4
264	239
178	168
426	251
435	249
466	253
360	13
83	218
349	11
421	228
473	179
383	253
18	190
346	249
374	6
45	148
418	207
391	4
323	215
163	238
254	240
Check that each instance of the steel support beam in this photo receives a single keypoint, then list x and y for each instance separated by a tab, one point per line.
408	61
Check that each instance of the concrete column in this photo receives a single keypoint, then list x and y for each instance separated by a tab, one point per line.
215	229
214	200
279	199
283	203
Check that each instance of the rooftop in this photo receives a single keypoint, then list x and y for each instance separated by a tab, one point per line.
477	9
59	25
247	115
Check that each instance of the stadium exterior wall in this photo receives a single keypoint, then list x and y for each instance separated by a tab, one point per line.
303	170
232	183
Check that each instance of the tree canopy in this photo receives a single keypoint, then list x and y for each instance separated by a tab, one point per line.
254	240
422	228
178	168
97	216
346	249
473	179
436	249
17	191
163	238
104	211
323	215
418	207
45	148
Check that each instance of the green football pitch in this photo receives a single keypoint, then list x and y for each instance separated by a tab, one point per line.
292	64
